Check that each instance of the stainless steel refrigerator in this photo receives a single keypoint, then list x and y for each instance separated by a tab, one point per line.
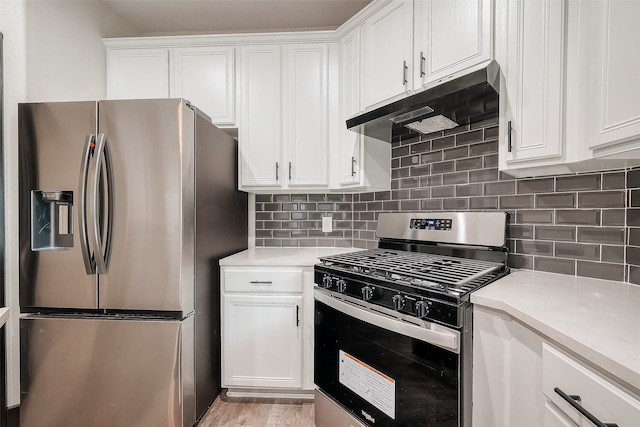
126	208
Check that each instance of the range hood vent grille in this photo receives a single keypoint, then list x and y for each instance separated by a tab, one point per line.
466	99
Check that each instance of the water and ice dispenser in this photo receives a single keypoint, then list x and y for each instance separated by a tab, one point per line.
51	220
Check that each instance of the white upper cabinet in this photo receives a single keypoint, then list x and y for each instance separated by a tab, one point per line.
284	127
349	148
613	36
568	99
138	73
205	76
362	162
259	133
306	124
387	40
450	36
531	57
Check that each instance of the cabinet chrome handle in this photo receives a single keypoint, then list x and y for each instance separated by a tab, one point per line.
289	171
573	401
353	166
297	315
260	282
277	168
404	72
509	146
422	62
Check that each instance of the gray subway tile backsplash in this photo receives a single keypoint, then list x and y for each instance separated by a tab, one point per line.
586	224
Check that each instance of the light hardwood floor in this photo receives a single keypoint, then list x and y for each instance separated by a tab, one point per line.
243	412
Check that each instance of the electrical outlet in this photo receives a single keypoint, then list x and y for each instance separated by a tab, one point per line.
327	224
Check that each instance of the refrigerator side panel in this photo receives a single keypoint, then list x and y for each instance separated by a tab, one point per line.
151	263
104	373
221	230
51	143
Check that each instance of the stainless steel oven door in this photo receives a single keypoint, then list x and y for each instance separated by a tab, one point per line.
386	369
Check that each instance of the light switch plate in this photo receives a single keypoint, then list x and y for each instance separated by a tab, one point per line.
327	224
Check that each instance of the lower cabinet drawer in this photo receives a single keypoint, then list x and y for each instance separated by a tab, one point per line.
280	280
602	398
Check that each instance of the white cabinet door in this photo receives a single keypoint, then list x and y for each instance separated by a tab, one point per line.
262	341
450	36
532	61
349	148
260	127
387	45
205	76
138	73
306	115
613	48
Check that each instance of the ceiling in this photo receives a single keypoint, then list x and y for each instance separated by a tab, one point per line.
173	17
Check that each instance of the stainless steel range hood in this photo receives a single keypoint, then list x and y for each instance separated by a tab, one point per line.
442	105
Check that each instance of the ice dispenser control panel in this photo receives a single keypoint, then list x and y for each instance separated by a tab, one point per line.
51	220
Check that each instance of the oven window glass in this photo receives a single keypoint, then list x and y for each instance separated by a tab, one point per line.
426	376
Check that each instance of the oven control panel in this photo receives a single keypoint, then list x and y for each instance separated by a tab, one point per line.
430	224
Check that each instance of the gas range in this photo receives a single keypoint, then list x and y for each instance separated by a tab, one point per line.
426	265
392	325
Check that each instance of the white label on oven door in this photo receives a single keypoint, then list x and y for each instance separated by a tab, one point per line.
368	383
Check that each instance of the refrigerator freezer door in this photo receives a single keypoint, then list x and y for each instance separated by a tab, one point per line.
151	263
52	139
106	372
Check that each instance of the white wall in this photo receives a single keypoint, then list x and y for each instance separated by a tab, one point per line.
53	51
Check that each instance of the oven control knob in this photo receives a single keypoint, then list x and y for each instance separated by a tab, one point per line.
398	302
421	309
341	285
326	281
367	293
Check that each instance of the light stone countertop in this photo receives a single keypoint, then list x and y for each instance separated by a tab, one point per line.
597	319
284	257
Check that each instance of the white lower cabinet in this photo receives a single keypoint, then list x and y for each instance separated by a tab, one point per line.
266	324
516	372
554	417
566	380
262	345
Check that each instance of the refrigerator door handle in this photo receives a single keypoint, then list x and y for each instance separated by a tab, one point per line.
103	217
89	147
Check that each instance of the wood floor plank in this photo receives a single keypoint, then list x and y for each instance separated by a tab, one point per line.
242	412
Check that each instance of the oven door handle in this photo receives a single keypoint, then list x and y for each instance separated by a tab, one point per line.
433	334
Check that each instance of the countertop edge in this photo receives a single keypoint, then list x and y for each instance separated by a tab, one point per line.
4	315
622	373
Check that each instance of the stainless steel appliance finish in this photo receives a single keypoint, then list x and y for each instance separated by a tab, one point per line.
328	413
402	312
467	228
441	105
126	208
135	374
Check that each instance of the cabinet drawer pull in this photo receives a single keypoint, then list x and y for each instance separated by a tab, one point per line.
353	166
277	167
573	401
509	136
289	171
297	315
422	61
261	282
404	72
